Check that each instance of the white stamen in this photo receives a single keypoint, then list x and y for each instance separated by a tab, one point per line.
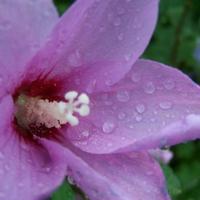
54	114
80	106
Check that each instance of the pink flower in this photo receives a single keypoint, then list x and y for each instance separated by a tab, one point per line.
162	155
134	105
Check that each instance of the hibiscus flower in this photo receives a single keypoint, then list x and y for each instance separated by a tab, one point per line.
76	101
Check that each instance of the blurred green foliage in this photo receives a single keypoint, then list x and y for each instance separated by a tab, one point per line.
176	42
63	193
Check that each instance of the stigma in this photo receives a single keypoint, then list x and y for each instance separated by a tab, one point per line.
52	113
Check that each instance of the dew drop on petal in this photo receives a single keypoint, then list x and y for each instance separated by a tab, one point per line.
75	59
120	10
110	144
7	168
149	88
71	180
90	88
20	184
138	118
117	21
121	36
136	77
77	81
121	115
2	194
123	96
5	25
169	84
114	107
149	173
131	126
128	57
140	108
109	126
1	155
24	147
86	133
166	105
108	82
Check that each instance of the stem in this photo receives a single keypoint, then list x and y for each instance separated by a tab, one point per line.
178	32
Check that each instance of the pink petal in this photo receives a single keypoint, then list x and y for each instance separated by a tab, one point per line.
153	106
24	26
162	155
125	176
98	39
27	169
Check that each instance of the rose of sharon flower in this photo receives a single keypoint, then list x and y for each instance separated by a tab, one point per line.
76	101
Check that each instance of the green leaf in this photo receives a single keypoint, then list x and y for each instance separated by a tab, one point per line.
63	193
172	182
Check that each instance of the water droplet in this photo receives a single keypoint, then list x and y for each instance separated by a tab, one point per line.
166	105
123	96
47	169
5	25
121	36
108	82
169	84
24	146
122	115
114	107
86	133
117	21
109	126
140	108
1	155
128	57
7	167
90	88
136	77
110	144
131	126
138	118
71	180
75	60
2	194
149	88
149	173
102	28
137	39
21	184
104	96
120	10
77	81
